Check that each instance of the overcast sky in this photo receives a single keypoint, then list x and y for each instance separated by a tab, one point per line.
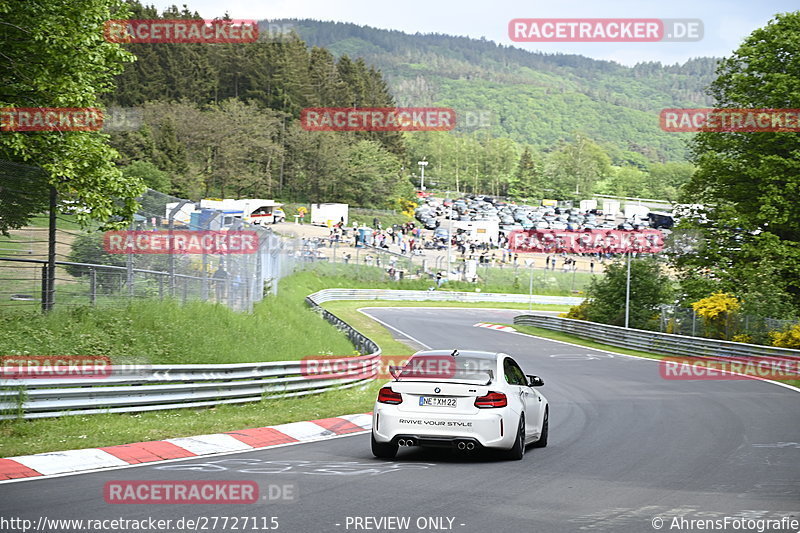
726	22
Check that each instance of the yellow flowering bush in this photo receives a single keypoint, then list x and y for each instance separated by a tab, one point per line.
717	312
577	312
789	338
719	303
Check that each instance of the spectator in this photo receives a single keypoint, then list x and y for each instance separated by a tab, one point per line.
220	278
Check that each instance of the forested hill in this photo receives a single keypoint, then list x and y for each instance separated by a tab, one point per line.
533	98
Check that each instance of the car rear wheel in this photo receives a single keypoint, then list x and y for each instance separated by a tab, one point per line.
542	442
383	450
517	451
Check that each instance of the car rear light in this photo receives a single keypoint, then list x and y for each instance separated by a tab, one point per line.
493	399
387	395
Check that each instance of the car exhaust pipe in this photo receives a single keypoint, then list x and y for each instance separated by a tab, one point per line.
462	445
470	446
401	442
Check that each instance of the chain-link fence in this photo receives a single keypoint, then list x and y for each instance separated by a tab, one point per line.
428	269
172	249
735	326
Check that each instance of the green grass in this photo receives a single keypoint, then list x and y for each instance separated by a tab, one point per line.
72	432
505	280
559	336
155	332
66	222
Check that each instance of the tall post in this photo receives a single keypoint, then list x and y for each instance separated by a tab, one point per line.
129	267
50	282
204	289
628	293
171	258
449	239
44	288
422	164
530	289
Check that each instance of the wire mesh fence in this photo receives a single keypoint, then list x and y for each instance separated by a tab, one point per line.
172	249
370	264
734	326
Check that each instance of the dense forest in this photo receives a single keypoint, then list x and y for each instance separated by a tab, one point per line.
222	119
533	98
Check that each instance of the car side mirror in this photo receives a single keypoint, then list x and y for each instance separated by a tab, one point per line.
535	381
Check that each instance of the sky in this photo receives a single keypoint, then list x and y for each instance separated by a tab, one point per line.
726	23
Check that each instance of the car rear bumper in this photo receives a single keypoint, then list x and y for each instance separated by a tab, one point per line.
490	428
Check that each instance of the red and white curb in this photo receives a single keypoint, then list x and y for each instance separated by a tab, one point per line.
497	327
73	461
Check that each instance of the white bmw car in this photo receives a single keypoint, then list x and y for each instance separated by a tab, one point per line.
463	400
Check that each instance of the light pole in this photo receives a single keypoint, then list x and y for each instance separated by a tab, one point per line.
530	286
628	293
422	164
449	239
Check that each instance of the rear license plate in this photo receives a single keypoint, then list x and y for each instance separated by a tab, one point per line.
436	401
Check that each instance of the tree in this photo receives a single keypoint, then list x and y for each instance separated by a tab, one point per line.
371	176
527	182
750	182
55	55
149	174
573	169
649	289
666	179
626	181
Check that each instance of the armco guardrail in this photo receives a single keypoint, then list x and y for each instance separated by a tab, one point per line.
328	295
654	342
154	387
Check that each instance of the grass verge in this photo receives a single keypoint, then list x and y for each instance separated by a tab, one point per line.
21	437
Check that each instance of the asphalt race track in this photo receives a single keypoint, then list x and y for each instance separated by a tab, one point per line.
628	452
